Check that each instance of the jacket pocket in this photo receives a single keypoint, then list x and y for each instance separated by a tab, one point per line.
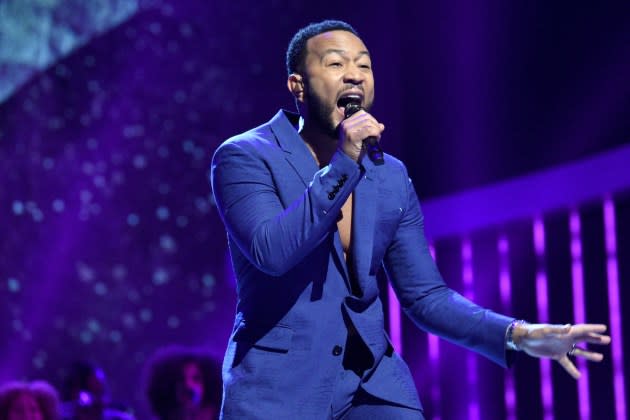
276	338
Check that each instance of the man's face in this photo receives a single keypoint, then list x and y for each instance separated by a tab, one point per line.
337	67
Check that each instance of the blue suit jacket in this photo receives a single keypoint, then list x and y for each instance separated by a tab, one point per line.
294	287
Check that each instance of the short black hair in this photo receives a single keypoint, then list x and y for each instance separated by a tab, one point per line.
296	52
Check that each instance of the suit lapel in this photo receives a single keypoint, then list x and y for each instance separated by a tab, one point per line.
283	125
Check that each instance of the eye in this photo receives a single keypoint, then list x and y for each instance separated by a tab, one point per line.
335	64
365	66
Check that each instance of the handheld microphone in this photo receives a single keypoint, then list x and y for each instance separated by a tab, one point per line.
374	151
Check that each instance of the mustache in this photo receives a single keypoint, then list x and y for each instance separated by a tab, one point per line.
349	86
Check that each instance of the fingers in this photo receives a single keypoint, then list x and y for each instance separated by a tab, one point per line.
354	130
593	338
588	355
569	367
555	341
363	131
582	329
362	125
590	333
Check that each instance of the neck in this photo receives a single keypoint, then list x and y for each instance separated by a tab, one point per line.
321	144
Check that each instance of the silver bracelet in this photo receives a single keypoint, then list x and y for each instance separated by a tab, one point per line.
509	335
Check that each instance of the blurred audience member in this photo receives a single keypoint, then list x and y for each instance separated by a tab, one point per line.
28	401
85	395
183	384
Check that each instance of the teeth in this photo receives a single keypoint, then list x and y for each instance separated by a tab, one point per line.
345	100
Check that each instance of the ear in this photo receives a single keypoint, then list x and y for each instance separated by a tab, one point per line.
295	83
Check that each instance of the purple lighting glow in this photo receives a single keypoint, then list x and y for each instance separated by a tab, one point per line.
579	316
471	359
543	315
614	308
434	356
505	287
112	245
394	320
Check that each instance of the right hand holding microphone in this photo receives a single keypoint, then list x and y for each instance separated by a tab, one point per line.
354	130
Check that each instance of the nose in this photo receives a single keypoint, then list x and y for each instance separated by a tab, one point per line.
354	74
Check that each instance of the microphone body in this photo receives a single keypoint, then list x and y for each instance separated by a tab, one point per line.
374	151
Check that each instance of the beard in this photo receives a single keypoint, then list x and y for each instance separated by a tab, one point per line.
320	114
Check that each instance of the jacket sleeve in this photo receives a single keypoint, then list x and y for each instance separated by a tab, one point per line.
427	300
273	238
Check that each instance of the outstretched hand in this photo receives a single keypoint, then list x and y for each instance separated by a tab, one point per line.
559	341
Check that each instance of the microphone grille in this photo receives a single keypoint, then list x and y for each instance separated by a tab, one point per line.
351	109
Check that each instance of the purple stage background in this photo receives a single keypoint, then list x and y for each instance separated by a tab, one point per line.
110	245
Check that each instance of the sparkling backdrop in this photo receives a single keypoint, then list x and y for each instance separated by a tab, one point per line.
110	243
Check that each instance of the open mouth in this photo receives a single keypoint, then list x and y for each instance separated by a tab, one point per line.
349	98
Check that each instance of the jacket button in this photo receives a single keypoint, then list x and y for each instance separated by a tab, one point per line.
337	350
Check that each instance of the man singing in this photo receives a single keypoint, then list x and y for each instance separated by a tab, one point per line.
311	217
